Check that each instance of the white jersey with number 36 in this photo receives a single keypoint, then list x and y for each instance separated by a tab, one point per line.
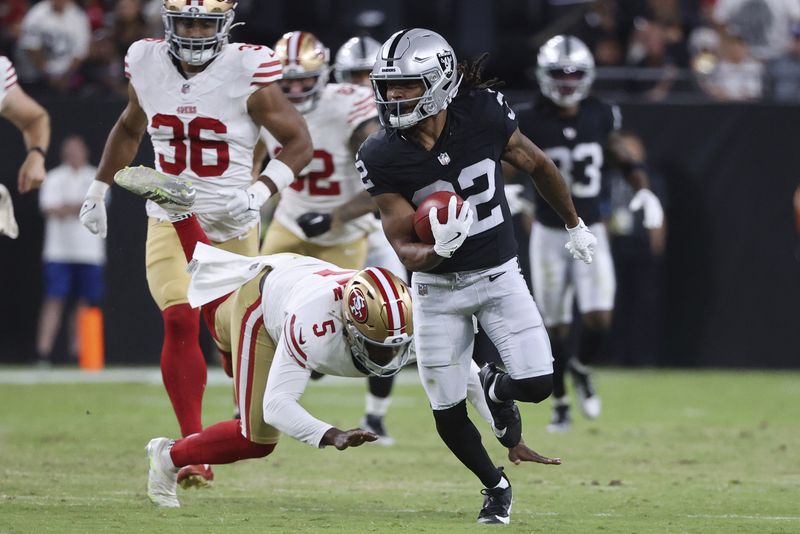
330	179
199	126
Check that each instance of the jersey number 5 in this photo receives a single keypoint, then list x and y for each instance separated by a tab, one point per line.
195	146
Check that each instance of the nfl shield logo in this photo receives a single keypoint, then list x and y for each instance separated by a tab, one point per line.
185	89
422	289
444	158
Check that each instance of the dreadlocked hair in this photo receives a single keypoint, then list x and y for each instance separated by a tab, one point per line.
472	76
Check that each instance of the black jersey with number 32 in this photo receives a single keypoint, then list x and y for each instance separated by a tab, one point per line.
577	146
464	160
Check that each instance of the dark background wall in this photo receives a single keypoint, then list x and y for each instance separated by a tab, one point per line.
732	277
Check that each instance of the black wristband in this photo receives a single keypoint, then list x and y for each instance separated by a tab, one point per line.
38	149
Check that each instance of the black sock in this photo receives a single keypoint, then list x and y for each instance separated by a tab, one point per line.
464	440
591	341
380	386
534	389
559	364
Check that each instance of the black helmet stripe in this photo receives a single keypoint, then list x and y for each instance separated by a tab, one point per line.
393	47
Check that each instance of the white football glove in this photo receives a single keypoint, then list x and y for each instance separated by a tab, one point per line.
451	234
93	211
645	200
517	203
243	202
581	242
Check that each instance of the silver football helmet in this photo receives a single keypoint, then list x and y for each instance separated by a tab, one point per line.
198	50
357	54
415	54
565	70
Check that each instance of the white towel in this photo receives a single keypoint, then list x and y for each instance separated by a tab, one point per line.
216	272
8	224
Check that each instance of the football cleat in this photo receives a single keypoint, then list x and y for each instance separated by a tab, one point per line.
496	504
170	192
507	423
162	479
561	421
588	400
195	476
8	223
374	424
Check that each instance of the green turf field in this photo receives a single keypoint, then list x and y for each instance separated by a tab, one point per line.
673	452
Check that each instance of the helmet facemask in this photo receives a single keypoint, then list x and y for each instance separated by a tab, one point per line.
402	114
196	51
307	99
302	55
376	309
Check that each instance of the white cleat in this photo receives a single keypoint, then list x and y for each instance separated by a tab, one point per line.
8	224
162	479
590	406
172	193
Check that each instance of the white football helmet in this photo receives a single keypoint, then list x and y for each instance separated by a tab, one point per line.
357	54
377	314
565	70
415	54
302	55
198	50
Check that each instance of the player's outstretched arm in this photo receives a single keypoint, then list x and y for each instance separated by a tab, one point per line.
270	108
633	168
34	123
121	147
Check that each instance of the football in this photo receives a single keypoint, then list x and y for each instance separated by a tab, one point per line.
438	200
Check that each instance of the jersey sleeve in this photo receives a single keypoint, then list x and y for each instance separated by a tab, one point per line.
360	106
8	78
137	58
374	170
494	109
262	66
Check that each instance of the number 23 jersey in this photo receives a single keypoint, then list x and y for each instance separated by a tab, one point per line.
199	126
577	146
464	160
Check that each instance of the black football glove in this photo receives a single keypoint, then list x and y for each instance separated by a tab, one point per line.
314	224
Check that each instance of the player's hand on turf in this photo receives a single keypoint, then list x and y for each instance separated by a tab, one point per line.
242	203
450	235
581	242
314	224
93	211
522	453
349	438
645	200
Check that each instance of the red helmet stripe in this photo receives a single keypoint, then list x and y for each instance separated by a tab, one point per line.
398	300
394	311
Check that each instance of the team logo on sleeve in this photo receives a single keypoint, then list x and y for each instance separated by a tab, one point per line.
446	62
358	306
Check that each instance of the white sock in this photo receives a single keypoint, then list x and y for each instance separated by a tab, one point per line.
503	484
376	405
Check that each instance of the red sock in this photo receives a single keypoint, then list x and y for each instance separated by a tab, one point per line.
222	443
183	367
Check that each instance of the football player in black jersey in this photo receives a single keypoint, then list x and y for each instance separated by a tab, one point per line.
445	130
580	134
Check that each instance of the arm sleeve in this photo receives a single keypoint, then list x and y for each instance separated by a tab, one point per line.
262	64
285	385
8	78
374	174
498	114
360	106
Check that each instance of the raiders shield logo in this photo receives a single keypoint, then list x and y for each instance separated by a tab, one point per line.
446	62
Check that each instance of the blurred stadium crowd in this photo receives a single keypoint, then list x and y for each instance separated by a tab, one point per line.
649	50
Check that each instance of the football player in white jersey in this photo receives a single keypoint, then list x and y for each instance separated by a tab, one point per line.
34	123
283	316
203	102
321	214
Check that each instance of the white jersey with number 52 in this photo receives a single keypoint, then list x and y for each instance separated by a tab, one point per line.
199	126
330	179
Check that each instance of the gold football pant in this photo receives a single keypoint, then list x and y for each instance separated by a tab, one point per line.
351	255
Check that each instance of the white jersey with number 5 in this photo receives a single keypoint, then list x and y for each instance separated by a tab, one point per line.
330	180
8	78
199	126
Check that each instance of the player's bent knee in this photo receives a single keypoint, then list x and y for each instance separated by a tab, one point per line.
534	389
452	417
181	319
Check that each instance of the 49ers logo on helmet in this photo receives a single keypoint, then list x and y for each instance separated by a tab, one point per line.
358	306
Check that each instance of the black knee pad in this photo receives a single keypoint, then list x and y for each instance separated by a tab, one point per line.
535	389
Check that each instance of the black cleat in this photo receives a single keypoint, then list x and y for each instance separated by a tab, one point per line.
496	505
316	375
561	421
588	399
507	421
